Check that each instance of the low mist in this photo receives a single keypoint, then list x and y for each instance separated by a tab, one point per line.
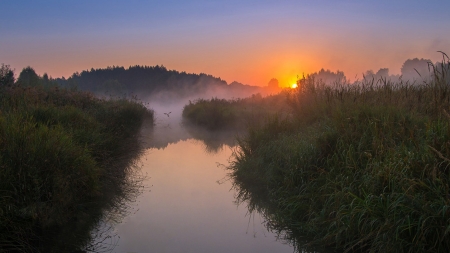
169	126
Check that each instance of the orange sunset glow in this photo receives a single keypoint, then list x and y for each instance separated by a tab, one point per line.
242	43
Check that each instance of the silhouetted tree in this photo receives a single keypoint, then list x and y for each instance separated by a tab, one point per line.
48	82
273	83
382	74
415	69
328	77
45	78
6	75
28	77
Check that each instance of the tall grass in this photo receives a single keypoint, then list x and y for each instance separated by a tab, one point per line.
60	152
215	113
362	167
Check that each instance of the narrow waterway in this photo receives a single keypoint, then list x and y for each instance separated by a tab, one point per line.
184	208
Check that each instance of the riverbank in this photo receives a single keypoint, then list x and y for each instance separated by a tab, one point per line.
357	167
61	151
220	114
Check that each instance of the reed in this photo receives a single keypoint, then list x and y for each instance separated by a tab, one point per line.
62	153
215	113
361	167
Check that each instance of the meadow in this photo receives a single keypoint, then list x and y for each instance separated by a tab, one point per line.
65	157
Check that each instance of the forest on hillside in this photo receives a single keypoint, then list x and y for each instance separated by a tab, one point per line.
153	81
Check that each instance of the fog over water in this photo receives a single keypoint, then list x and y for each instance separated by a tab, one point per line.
170	128
184	207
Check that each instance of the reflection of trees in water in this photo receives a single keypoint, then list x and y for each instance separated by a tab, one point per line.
93	230
176	130
167	130
258	201
214	141
118	204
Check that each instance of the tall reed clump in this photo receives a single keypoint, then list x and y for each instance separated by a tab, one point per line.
362	167
59	151
212	114
215	113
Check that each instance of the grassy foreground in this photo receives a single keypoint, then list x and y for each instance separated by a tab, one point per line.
362	167
60	151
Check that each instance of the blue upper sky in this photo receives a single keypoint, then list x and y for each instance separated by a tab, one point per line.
247	41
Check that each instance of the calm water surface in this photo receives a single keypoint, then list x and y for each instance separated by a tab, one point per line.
185	209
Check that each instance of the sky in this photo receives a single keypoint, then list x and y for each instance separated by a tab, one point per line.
246	41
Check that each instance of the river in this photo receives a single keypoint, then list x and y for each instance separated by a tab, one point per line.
188	205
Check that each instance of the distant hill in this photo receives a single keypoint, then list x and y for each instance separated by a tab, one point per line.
151	81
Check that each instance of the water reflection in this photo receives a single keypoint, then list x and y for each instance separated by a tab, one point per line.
257	203
213	141
187	202
188	211
183	208
124	183
170	129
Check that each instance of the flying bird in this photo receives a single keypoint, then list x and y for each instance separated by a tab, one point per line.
167	114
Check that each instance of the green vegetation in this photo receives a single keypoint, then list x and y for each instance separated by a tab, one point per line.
216	113
362	167
64	157
142	80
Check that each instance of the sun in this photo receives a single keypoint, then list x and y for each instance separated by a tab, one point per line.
294	85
